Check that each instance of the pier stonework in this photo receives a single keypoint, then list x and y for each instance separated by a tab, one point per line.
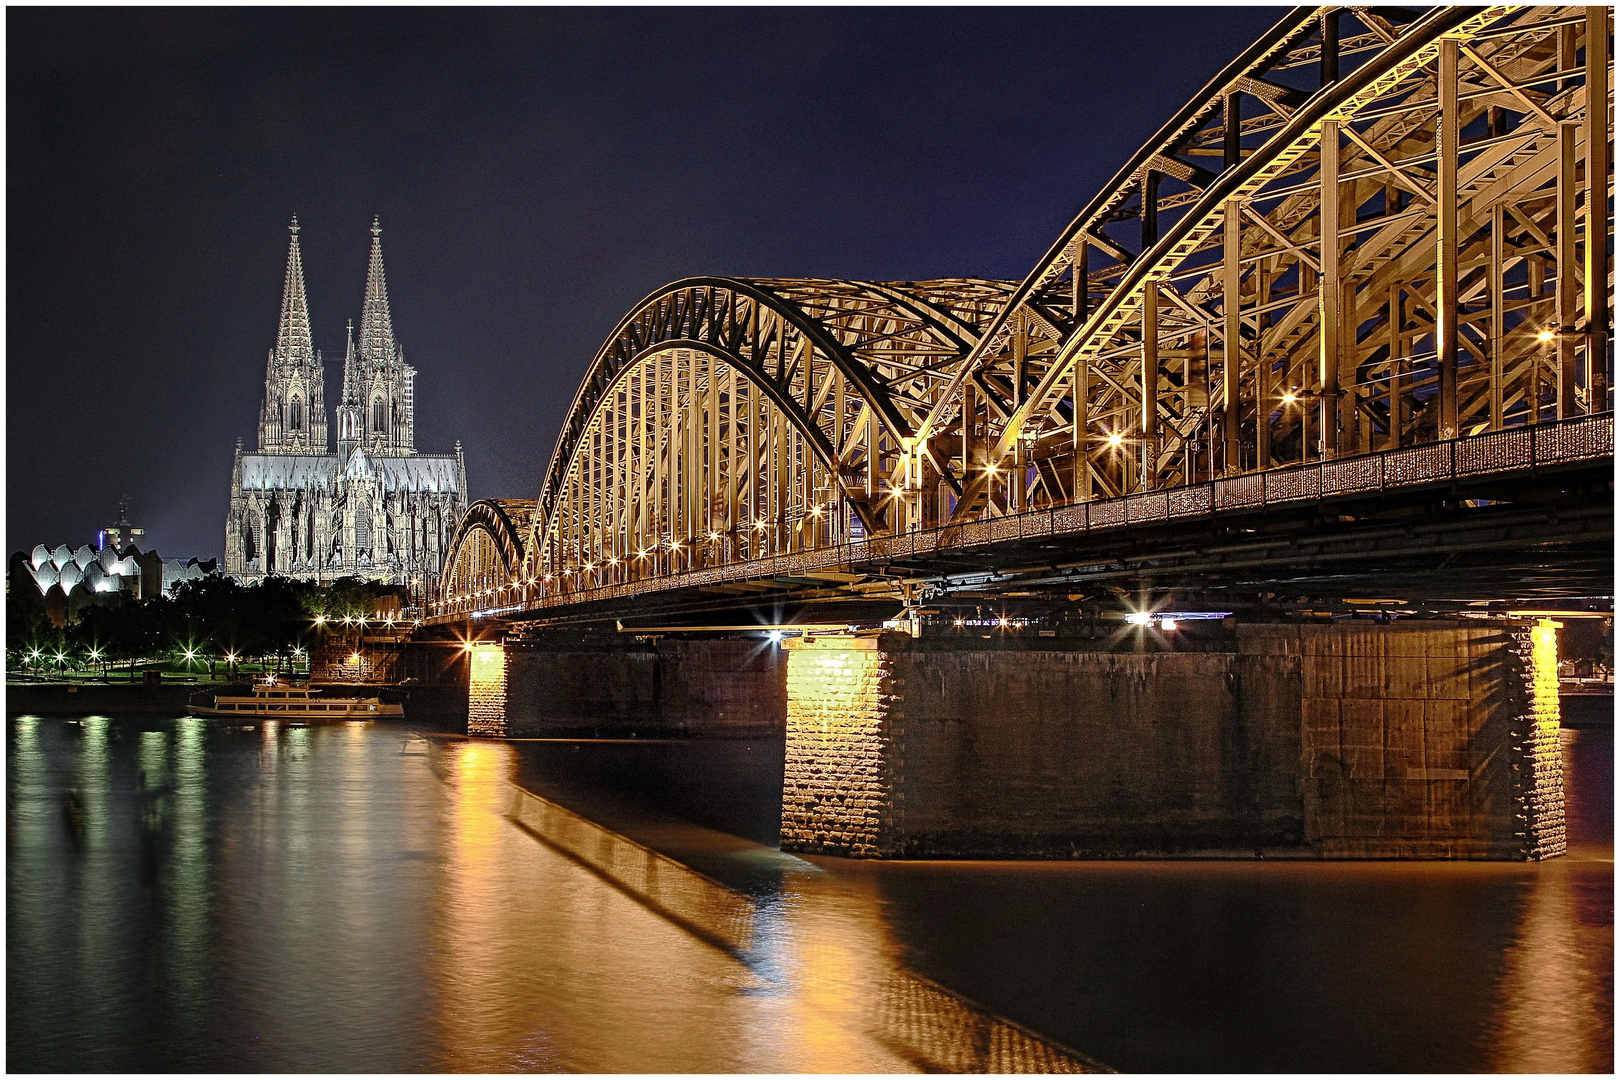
714	687
1539	753
486	691
1349	740
837	791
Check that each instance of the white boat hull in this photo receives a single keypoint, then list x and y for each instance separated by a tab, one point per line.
229	708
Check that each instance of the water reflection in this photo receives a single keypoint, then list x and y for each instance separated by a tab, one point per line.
185	948
1556	1011
543	963
1553	1018
354	898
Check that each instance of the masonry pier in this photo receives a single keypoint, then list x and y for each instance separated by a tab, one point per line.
1340	740
735	687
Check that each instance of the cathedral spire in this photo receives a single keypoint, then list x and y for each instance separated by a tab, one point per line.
376	328
292	419
293	342
351	405
351	377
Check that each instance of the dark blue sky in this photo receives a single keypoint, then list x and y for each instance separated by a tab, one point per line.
537	173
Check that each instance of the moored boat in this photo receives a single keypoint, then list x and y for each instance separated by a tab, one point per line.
281	701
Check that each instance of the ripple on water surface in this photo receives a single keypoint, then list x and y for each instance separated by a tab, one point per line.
188	896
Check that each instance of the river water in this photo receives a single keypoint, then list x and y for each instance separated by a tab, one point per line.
184	895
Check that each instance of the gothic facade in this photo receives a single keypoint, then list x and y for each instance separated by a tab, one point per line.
375	508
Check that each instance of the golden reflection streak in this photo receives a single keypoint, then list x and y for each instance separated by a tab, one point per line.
1550	1019
473	1002
542	965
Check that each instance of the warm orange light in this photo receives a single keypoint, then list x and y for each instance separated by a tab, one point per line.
1545	336
1289	398
1115	440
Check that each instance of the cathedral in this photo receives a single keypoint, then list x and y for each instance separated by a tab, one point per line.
375	508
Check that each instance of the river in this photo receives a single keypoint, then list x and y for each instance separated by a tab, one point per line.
186	895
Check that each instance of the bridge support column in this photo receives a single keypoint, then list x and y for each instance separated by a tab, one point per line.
486	690
1318	741
579	688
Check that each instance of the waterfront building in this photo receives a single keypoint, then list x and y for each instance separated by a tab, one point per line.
70	580
375	508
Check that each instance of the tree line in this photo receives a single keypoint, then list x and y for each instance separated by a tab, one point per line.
201	621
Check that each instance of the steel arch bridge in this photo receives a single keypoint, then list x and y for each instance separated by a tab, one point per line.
490	546
1374	230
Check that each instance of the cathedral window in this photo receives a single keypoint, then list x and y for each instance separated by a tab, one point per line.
296	421
379	416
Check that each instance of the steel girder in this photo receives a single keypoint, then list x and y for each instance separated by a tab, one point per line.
730	417
1444	149
1191	323
489	548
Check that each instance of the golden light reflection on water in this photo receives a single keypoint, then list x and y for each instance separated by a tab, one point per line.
359	904
542	964
1551	1020
1555	1005
565	946
471	1009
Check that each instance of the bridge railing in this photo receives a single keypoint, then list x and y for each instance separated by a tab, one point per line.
1499	452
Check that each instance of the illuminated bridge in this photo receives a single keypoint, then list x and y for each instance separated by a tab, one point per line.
1335	343
1346	311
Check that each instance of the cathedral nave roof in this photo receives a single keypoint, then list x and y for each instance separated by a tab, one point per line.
288	472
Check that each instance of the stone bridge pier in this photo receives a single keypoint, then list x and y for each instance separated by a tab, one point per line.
1343	740
728	687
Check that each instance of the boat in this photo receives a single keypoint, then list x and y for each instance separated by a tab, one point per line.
273	700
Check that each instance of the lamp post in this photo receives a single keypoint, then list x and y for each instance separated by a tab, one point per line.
1303	398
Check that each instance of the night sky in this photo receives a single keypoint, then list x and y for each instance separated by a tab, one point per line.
537	172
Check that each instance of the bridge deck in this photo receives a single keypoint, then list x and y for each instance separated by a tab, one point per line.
1523	451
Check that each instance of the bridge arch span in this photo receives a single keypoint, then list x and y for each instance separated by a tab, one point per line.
1192	322
730	418
1375	229
489	550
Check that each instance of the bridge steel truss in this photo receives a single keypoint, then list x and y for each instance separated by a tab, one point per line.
1372	231
489	549
734	419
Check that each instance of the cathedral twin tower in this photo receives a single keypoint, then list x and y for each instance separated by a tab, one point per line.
376	508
